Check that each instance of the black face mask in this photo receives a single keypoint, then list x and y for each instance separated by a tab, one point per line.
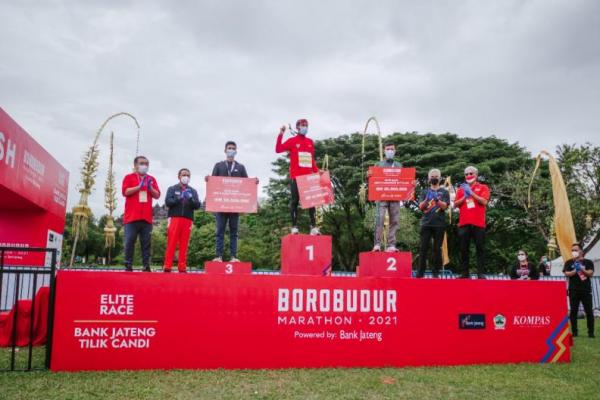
434	181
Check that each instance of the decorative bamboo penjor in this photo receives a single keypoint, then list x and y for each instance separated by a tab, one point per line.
110	202
362	192
82	212
562	226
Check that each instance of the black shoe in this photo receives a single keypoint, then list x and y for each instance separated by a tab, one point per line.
419	276
128	268
147	269
481	276
591	335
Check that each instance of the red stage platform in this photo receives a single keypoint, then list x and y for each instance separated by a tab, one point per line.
140	320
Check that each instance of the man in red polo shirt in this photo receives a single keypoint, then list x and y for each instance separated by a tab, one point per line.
139	189
302	162
471	199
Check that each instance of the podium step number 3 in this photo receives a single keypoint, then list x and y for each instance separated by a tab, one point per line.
215	267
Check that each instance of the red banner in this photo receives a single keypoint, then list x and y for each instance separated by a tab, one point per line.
231	194
315	190
391	183
33	193
119	320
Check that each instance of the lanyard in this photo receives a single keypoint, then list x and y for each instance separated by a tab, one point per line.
229	172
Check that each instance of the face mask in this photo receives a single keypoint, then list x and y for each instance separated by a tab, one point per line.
142	169
575	254
303	130
185	180
389	154
434	181
231	153
471	178
522	257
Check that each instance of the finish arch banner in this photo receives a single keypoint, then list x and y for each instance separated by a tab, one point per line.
120	320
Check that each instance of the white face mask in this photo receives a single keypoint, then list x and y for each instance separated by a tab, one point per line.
185	180
389	154
230	153
575	254
522	257
142	169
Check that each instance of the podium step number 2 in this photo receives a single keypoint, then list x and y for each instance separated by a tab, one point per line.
389	265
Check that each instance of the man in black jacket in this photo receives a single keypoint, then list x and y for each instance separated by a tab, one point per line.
579	270
228	167
181	201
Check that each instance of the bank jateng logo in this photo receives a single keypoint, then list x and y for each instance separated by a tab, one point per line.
499	322
471	321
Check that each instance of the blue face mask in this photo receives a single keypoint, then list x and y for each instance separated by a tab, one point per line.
389	154
303	130
231	153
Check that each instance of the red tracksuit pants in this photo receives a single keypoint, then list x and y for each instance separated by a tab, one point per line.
178	235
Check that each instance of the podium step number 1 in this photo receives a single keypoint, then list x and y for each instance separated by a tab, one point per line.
306	255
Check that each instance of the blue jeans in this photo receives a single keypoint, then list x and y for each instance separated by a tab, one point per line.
222	219
134	229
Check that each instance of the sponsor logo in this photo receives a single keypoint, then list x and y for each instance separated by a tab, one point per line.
471	321
531	321
499	322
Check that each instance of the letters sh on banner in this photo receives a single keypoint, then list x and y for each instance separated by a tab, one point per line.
391	183
231	195
315	190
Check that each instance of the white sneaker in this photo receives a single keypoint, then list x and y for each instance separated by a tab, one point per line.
314	231
233	259
377	248
294	230
218	259
391	249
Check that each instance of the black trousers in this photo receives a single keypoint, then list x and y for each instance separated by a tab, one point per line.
295	202
134	229
437	234
477	234
576	297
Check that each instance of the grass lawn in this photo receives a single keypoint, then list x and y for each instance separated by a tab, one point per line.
578	380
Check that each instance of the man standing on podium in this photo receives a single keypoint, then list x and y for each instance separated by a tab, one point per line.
302	162
182	200
228	167
471	199
139	189
391	207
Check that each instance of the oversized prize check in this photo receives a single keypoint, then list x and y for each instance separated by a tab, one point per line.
315	190
231	194
391	183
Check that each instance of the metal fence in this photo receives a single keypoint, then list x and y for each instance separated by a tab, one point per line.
18	283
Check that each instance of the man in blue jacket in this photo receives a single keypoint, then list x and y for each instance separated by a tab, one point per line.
181	201
228	167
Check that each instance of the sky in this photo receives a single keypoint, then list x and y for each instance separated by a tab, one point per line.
198	73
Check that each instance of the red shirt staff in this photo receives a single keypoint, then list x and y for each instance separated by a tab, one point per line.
302	162
139	189
471	199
